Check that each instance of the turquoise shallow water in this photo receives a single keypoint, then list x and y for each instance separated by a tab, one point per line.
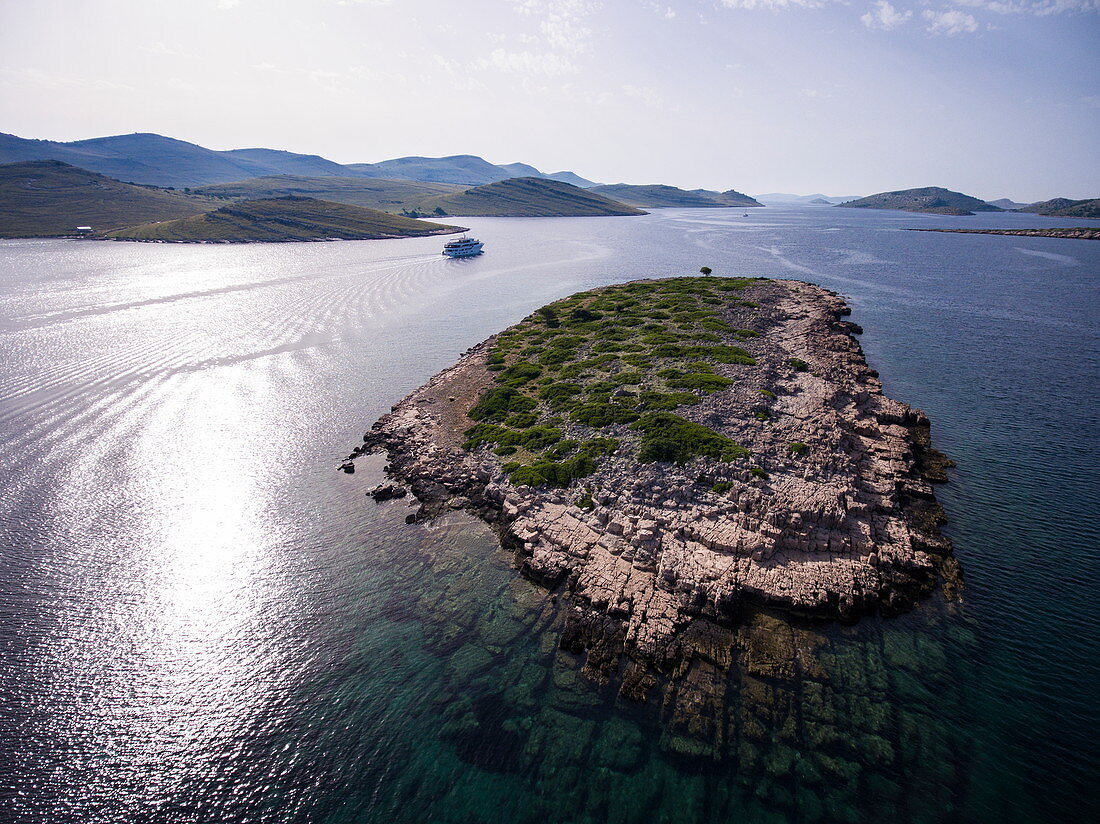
200	620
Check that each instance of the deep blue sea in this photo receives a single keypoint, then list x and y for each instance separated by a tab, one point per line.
202	620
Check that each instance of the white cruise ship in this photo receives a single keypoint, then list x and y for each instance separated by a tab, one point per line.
463	247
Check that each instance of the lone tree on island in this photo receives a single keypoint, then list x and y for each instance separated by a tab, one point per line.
705	270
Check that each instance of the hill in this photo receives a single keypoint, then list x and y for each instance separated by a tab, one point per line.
529	197
930	199
1006	204
284	219
164	161
785	197
524	170
469	170
1064	207
461	169
155	160
657	196
371	193
570	178
47	198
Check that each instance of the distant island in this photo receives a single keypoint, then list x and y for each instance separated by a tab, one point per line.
284	219
930	199
1075	233
372	193
156	160
1006	204
657	196
1064	207
526	197
459	169
670	454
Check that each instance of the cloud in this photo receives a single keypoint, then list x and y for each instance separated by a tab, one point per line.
773	5
566	34
886	17
1038	8
60	81
950	22
527	63
647	95
561	22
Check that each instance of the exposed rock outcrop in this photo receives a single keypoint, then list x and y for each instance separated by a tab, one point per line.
831	514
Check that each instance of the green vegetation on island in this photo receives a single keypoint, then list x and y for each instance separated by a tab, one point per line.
657	196
48	198
284	219
571	376
931	199
526	197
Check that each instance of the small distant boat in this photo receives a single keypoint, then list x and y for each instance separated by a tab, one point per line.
463	247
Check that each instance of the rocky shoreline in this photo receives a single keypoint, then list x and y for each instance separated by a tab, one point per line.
821	506
1073	233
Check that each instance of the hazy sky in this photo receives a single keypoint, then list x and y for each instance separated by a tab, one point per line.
991	97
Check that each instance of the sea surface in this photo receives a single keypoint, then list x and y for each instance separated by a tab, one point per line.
202	620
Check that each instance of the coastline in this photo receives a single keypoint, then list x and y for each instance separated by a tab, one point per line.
1069	233
653	562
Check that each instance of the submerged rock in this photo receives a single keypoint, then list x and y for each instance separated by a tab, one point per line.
751	462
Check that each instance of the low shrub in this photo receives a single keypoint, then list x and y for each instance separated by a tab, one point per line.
599	414
498	403
560	395
665	401
553	473
716	326
561	449
799	365
522	421
672	439
519	373
540	437
700	380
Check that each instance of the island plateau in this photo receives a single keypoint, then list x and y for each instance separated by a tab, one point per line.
673	456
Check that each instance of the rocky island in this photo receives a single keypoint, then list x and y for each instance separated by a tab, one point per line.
675	455
933	200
